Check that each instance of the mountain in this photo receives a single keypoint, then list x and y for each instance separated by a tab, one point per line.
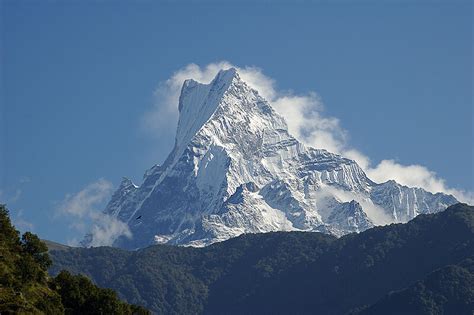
423	266
55	246
448	290
236	169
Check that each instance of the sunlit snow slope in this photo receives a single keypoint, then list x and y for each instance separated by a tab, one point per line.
235	169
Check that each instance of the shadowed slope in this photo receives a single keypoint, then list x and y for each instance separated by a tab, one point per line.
281	272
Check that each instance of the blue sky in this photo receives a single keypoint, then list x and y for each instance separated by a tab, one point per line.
78	78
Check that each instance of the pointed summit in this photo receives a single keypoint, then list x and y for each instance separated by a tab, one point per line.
235	169
226	75
198	101
222	80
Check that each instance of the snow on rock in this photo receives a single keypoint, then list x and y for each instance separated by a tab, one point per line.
236	169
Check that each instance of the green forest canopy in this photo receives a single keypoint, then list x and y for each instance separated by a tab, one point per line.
26	287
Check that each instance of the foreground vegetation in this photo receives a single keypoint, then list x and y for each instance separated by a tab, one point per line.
26	287
422	267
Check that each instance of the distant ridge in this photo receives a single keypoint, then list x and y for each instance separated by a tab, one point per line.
298	272
56	246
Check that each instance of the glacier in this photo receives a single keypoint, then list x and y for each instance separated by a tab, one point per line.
236	169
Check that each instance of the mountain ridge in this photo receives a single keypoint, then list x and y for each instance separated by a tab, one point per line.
293	272
229	137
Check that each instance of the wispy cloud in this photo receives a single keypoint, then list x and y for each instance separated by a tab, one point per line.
17	217
11	196
306	121
21	223
374	212
84	210
15	191
82	203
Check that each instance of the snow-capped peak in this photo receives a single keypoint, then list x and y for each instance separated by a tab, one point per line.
198	101
236	169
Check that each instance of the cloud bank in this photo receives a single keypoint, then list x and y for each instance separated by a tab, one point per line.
306	121
83	209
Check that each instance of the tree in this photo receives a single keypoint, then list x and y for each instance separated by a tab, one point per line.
33	246
81	296
26	288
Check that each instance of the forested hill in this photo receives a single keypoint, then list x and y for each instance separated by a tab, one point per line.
26	287
427	261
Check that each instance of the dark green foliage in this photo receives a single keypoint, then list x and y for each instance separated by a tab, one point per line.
449	290
80	296
23	273
35	248
9	238
177	280
34	261
26	288
292	272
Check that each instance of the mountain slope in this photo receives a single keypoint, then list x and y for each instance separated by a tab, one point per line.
236	169
292	272
448	290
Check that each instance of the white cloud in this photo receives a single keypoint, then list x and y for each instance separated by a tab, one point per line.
375	213
83	208
81	204
306	121
106	229
415	176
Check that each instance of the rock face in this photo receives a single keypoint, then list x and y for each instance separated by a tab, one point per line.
235	169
